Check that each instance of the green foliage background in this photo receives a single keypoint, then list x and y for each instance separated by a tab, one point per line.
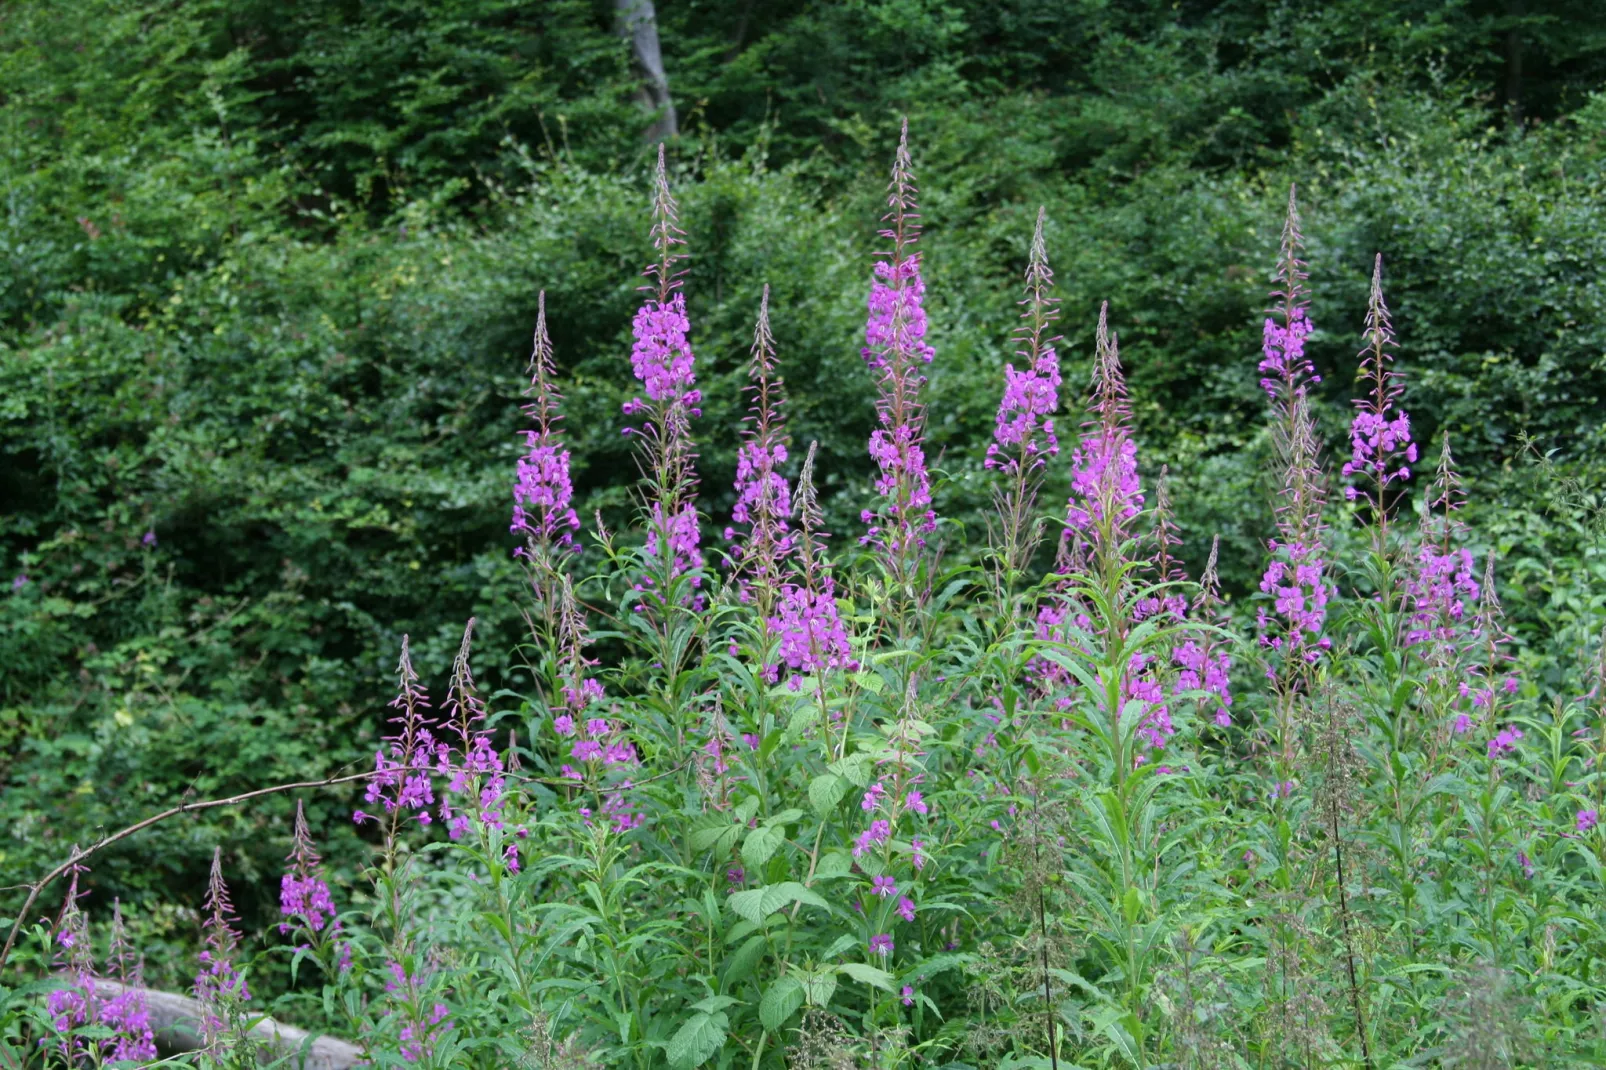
270	269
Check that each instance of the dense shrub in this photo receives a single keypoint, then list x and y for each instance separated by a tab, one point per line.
908	795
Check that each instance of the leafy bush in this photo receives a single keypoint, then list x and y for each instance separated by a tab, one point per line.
1021	795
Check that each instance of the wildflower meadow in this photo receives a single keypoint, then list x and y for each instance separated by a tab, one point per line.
910	795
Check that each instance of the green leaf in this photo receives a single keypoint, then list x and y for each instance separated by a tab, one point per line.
717	839
825	791
818	988
697	1040
761	844
744	959
714	1004
833	864
854	768
756	904
780	1000
785	817
866	974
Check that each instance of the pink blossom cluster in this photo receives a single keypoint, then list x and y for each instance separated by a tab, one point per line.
661	356
906	484
681	530
1296	581
1376	438
219	982
1439	592
1025	412
543	493
1204	669
303	893
813	638
1104	481
897	323
1284	366
420	1032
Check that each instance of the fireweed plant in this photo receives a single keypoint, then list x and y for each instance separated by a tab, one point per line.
831	803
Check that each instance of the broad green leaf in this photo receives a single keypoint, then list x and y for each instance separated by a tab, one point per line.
760	844
833	864
715	1004
854	768
818	988
756	904
742	962
697	1040
867	975
825	792
780	1000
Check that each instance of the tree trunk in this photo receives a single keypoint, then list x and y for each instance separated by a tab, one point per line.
638	23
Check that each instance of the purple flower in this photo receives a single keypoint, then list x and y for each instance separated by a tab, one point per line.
896	350
906	908
20	581
1504	742
1105	492
884	887
1284	358
661	356
1284	368
543	491
908	996
1587	819
148	539
763	498
680	529
813	638
219	983
881	944
303	893
1023	430
873	798
401	777
1381	449
1526	863
878	833
916	802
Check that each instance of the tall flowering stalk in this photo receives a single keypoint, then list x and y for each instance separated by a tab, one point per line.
75	1004
401	783
1295	579
475	785
219	985
661	358
597	748
1291	632
1285	370
1440	590
1381	449
1023	431
896	351
763	498
543	492
1489	680
304	898
1204	660
127	1014
1095	548
1106	495
812	638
